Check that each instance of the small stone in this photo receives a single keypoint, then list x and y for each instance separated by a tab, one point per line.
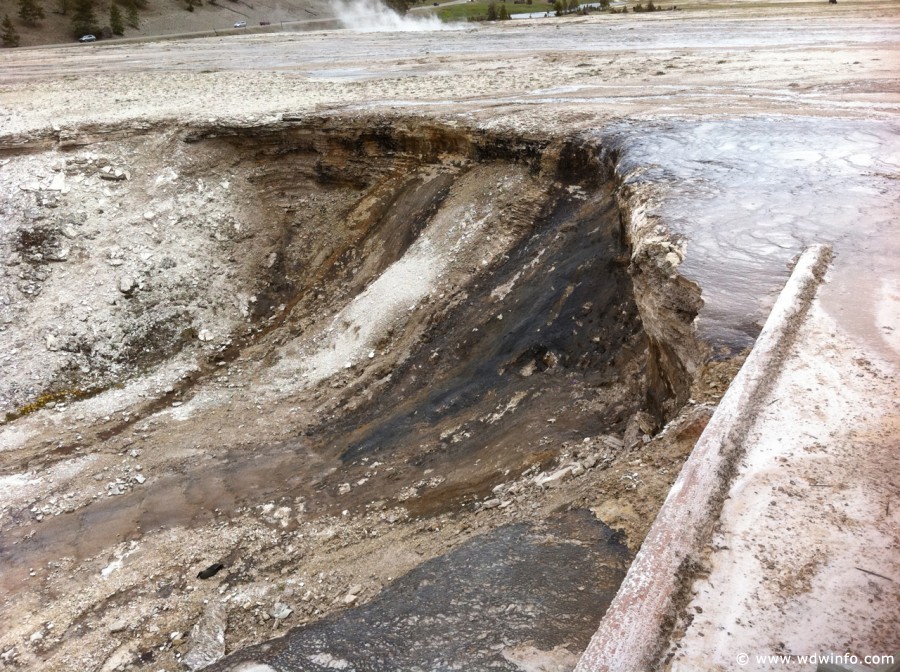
139	479
205	335
126	285
355	589
589	462
118	626
58	183
58	255
149	216
491	504
344	488
280	611
116	175
36	636
350	599
52	342
612	441
550	480
577	470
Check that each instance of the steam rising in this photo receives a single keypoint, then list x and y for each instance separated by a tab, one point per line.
371	16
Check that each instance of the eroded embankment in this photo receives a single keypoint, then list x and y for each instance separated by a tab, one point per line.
303	342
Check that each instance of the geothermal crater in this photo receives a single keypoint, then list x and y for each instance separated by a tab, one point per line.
322	353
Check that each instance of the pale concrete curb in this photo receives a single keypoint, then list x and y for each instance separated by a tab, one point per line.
637	625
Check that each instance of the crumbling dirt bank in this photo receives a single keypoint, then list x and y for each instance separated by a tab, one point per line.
319	352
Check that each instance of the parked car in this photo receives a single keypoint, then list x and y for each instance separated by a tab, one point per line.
87	38
240	24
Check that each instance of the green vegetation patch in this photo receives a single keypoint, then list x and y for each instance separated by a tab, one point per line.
479	10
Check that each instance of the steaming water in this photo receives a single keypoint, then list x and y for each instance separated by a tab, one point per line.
750	195
371	16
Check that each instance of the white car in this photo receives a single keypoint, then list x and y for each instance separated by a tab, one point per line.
240	24
87	38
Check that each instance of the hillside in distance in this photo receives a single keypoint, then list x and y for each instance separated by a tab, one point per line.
165	17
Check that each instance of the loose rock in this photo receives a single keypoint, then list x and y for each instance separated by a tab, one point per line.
280	611
118	625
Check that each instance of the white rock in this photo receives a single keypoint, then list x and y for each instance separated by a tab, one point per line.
612	441
325	660
58	183
280	611
61	255
118	625
555	478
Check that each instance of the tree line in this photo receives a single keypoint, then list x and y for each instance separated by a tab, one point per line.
83	21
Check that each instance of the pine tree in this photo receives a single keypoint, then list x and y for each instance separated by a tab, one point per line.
559	7
131	15
30	12
83	19
62	6
115	20
502	13
9	37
